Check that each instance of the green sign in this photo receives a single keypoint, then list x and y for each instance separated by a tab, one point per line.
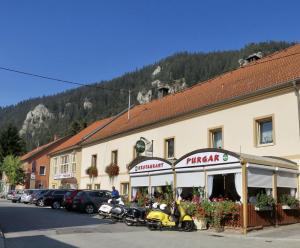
225	157
140	146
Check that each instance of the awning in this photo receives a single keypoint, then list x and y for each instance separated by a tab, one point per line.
190	179
71	180
286	180
162	180
139	181
260	178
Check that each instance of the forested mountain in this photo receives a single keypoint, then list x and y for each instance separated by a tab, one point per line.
39	119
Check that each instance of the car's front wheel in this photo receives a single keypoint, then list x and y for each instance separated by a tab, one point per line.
40	203
56	205
89	209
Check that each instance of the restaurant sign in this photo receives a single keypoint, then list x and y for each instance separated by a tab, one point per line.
205	158
63	175
150	165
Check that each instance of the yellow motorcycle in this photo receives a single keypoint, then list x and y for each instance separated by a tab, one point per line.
177	218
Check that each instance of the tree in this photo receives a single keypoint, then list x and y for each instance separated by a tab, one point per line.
11	143
12	167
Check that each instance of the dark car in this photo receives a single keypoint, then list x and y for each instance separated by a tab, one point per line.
90	200
68	199
38	198
55	198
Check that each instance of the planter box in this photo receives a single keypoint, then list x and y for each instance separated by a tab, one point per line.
286	207
263	208
200	224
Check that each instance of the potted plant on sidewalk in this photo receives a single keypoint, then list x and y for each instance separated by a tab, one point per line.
264	202
199	217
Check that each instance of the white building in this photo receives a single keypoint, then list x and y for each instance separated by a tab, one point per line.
253	110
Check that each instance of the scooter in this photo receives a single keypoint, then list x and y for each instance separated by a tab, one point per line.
158	219
113	209
137	215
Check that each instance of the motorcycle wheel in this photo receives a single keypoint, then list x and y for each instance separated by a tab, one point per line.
188	226
102	217
128	222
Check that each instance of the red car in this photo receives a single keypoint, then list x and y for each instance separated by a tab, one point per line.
68	199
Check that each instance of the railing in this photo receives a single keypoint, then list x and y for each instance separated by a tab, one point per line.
277	216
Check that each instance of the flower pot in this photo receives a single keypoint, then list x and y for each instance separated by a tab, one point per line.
267	208
201	224
286	207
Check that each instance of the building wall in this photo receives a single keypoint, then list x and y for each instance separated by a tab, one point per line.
40	181
56	183
192	133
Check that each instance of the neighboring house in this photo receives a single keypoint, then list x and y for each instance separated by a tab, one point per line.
253	109
36	165
66	159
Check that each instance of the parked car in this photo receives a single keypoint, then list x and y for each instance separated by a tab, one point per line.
55	198
38	200
90	200
9	194
17	196
27	195
67	202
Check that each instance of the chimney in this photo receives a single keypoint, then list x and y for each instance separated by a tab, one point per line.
163	91
55	137
250	58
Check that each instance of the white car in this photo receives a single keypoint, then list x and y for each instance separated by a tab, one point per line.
27	195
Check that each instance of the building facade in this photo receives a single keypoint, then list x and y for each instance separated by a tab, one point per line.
254	110
36	165
66	159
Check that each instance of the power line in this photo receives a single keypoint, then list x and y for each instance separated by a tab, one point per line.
61	80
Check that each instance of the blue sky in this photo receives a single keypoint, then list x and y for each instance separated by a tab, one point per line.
89	41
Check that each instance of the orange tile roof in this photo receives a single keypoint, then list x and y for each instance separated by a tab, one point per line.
39	149
79	137
269	71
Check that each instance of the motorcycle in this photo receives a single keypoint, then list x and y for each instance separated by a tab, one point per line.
113	209
135	216
176	218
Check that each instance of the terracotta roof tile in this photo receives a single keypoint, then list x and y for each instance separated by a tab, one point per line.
40	149
264	73
79	137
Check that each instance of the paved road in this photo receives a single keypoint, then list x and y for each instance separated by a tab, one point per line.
28	226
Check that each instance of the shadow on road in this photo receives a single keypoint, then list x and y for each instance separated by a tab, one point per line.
36	242
19	218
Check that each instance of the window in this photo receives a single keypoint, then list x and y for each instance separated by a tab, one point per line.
55	166
89	186
169	148
33	166
124	188
264	133
65	164
97	186
53	186
94	160
216	138
42	170
73	161
114	157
